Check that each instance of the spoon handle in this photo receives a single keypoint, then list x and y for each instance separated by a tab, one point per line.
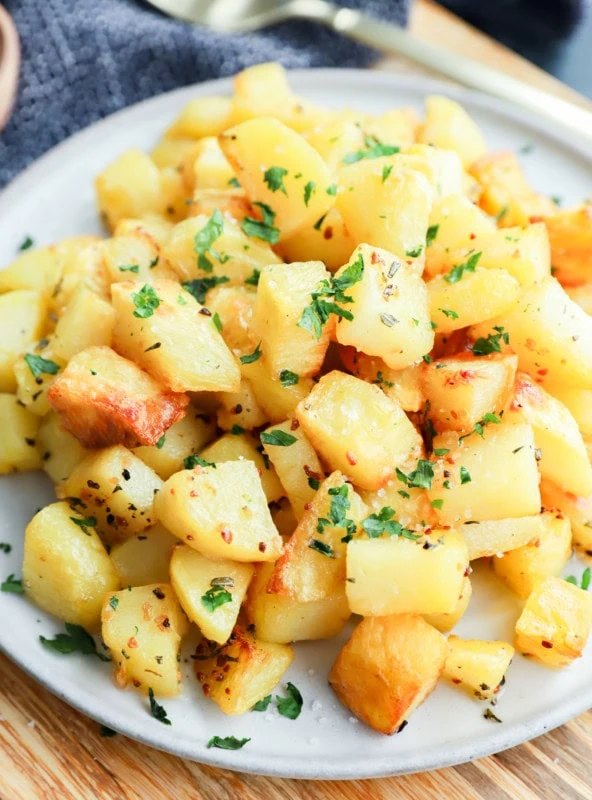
387	37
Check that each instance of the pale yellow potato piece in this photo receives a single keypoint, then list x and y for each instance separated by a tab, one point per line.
22	319
496	536
87	321
34	379
410	504
336	139
477	666
221	511
579	403
240	408
185	438
277	400
145	557
448	125
172	153
202	116
402	385
577	509
446	621
19	435
211	170
66	569
129	187
135	256
523	252
37	270
327	240
60	452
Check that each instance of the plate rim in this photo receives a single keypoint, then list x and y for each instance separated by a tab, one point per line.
286	766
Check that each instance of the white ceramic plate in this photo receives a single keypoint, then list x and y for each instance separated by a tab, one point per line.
54	199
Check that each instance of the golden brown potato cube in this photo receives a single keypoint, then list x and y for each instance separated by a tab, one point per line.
357	429
145	557
446	621
312	566
22	319
493	537
35	371
136	256
478	666
202	116
400	575
493	477
174	194
182	440
388	668
524	567
18	452
328	240
447	125
462	389
241	672
240	409
60	452
210	167
81	262
221	511
282	619
210	592
117	488
577	509
87	321
389	306
570	236
402	385
66	569
410	504
555	623
283	294
523	252
143	626
104	399
230	202
129	187
277	400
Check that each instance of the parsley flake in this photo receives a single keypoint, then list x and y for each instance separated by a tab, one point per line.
236	430
262	705
332	190
250	358
26	244
253	279
585	581
456	273
337	515
288	378
228	742
431	234
315	315
491	344
217	322
146	302
215	597
274	178
199	287
41	366
190	462
265	229
308	192
383	523
205	238
114	602
449	313
157	711
321	547
415	252
75	640
130	268
465	475
421	477
290	706
160	442
278	438
386	171
373	149
478	427
12	584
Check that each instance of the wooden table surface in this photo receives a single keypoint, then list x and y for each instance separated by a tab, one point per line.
49	751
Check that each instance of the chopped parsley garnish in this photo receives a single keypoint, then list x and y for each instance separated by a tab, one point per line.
265	229
274	178
501	213
456	273
437	504
373	149
484	347
337	514
84	523
288	378
478	427
130	268
114	602
427	358
217	322
40	366
190	462
234	183
319	222
585	581
315	315
146	302
12	584
465	475
441	451
160	442
314	483
421	477
253	279
5	547
382	381
431	234
386	171
155	346
383	523
290	706
262	705
215	597
157	711
449	313
199	287
488	714
321	547
236	430
228	742
278	438
415	252
26	244
75	640
308	192
332	190
250	358
205	238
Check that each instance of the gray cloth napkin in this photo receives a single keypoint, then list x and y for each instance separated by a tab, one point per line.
84	59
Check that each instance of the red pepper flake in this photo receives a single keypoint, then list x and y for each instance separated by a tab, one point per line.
351	458
294	425
262	547
472	236
206	689
456	680
226	535
547	644
542	372
193	493
227	690
189	537
132	642
136	683
328	232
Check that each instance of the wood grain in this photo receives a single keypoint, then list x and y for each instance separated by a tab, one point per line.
48	751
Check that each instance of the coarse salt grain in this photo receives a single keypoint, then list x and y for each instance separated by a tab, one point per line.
354	720
322	720
316	706
312	672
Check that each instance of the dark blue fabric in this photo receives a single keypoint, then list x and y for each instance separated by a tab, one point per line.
84	59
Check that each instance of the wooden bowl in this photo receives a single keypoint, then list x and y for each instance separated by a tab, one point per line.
9	65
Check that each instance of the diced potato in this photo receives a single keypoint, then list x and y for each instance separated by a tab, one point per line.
283	518
19	435
66	569
244	447
399	575
117	488
210	167
283	294
357	429
446	621
173	152
312	566
128	187
282	619
391	213
555	623
277	400
397	126
478	666
410	504
579	403
104	399
298	468
221	511
177	345
210	592
22	318
523	568
563	456
303	199
388	668
389	307
81	262
327	240
37	270
144	558
448	125
134	256
496	536
401	385
231	202
523	252
241	672
336	137
462	389
185	438
570	236
240	409
154	228
234	306
202	116
60	452
442	167
491	478
577	509
35	372
479	295
86	322
143	627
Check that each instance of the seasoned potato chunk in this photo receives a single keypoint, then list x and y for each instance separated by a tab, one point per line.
19	435
221	511
389	306
37	270
555	623
282	619
242	672
477	666
60	452
66	569
210	592
117	488
402	385
448	125
579	403
446	621
495	536
523	252
183	439
411	505
22	316
357	429
104	399
327	240
388	668
277	400
144	558
129	187
143	627
570	237
202	116
240	409
577	509
134	256
35	372
87	321
400	575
